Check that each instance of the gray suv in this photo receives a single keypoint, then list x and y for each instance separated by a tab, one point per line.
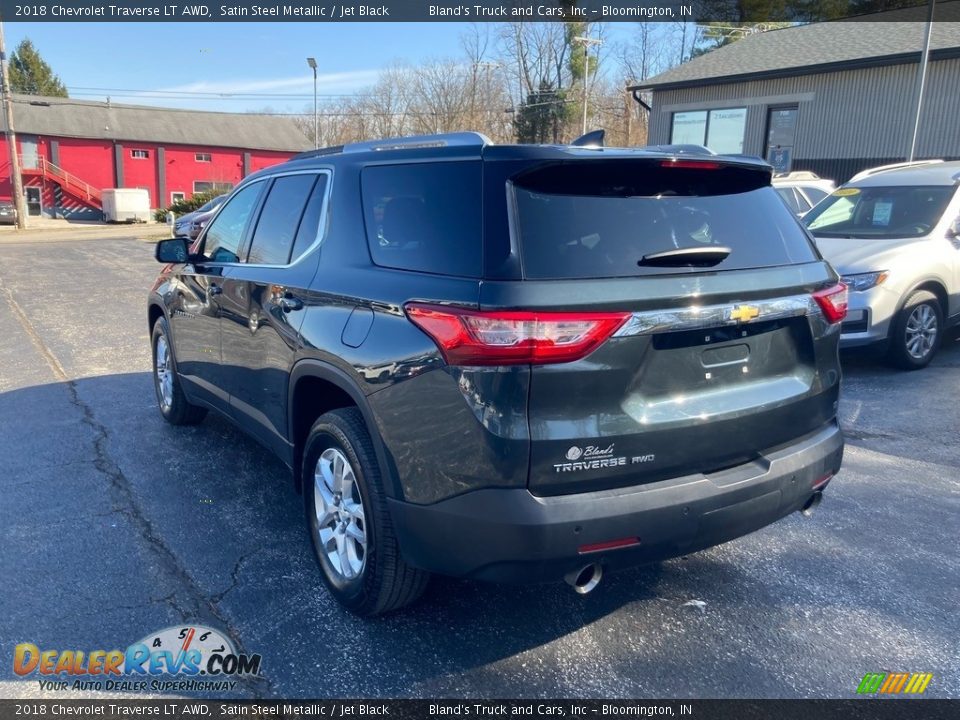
894	236
510	363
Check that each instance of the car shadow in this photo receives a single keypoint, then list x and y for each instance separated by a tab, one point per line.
115	524
878	404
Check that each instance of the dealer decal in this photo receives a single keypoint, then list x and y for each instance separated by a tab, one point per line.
595	457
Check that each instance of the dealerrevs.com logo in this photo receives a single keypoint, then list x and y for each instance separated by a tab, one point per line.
180	658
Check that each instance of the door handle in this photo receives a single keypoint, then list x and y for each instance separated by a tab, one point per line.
288	303
215	290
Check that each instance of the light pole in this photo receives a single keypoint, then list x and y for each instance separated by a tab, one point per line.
921	81
586	42
312	62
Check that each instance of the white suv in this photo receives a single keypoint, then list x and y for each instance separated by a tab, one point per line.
801	190
894	236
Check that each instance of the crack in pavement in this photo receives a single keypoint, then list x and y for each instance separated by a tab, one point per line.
198	604
234	576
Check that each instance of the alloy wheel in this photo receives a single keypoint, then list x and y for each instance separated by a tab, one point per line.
921	331
341	521
164	372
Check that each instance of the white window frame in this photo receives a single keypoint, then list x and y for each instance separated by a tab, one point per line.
203	157
174	196
135	156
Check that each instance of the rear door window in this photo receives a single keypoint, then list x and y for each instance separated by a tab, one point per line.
425	217
280	219
599	219
310	225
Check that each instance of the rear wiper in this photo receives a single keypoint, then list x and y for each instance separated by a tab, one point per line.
686	257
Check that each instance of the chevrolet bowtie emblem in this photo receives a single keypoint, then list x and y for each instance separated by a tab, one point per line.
744	313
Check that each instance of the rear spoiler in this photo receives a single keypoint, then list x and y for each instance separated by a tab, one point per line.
645	176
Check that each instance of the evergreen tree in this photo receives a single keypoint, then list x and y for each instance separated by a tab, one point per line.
31	75
541	117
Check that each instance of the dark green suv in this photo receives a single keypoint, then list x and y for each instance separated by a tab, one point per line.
512	363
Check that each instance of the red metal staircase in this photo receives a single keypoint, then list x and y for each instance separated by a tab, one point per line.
69	183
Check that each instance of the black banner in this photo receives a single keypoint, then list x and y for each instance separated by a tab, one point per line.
867	709
470	10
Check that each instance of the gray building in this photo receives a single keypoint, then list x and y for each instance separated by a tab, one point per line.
834	98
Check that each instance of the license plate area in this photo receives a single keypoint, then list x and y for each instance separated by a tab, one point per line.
704	361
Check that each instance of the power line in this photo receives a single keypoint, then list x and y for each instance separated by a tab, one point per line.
212	94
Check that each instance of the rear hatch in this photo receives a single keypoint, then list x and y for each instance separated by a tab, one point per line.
721	351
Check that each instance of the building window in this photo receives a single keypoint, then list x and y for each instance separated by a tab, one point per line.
203	157
140	154
721	130
725	130
206	186
689	128
176	197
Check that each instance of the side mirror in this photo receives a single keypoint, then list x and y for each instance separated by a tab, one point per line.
173	250
953	232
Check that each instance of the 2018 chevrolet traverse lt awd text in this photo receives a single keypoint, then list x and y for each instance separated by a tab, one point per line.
511	363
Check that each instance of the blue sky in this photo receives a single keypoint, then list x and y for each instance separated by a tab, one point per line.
263	58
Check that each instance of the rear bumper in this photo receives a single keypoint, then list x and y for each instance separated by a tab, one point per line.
511	535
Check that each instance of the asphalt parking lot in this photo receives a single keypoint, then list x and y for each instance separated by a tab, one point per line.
114	524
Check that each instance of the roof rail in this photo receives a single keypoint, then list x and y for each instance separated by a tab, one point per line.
680	149
334	150
462	139
457	139
894	166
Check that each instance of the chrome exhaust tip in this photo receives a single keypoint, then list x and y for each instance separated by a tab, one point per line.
812	504
585	579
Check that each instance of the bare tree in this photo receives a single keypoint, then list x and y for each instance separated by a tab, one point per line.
644	54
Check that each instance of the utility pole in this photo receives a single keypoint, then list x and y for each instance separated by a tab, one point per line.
921	81
15	178
586	42
486	67
316	125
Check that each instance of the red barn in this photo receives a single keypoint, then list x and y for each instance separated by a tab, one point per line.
73	149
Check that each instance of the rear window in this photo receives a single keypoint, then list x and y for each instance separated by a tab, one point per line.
790	198
597	220
425	216
814	194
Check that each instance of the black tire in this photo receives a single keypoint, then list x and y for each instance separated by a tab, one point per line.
919	302
385	582
178	411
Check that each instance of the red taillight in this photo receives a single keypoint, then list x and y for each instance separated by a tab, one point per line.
833	302
690	164
469	337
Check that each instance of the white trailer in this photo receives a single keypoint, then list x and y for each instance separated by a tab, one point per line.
126	205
